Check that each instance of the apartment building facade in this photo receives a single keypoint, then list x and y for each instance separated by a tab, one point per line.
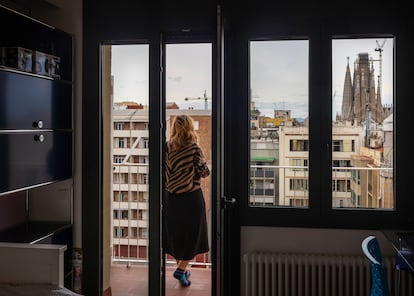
361	175
130	190
278	171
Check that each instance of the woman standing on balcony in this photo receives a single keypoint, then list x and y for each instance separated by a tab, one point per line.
185	213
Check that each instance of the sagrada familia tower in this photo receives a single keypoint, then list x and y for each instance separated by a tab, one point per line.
360	99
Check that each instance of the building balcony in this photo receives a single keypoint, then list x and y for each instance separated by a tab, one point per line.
131	168
130	241
130	223
131	205
128	151
124	205
130	133
130	187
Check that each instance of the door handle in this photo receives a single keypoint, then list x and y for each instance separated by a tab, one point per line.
227	201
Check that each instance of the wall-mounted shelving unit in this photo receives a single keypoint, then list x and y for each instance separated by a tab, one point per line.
36	137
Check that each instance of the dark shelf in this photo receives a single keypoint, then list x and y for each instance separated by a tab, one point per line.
32	232
36	129
33	35
8	69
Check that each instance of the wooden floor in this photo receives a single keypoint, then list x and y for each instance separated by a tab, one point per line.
133	281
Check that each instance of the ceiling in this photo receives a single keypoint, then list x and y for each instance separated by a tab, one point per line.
25	6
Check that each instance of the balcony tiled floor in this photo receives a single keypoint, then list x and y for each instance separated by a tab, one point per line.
133	281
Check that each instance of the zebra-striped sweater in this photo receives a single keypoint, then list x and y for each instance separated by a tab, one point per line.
184	168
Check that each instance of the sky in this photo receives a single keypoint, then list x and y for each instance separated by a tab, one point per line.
279	73
279	76
341	49
188	74
130	67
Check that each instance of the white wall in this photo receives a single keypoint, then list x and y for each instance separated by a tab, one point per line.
307	240
301	240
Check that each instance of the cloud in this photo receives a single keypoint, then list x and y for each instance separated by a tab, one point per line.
175	78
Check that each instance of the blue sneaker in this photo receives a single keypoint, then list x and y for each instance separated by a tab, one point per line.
182	277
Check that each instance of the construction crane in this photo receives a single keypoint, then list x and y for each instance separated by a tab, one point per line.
199	98
380	49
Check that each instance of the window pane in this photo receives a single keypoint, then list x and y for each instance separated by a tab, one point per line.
188	78
279	142
362	129
129	70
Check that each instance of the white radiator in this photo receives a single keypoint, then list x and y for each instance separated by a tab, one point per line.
283	274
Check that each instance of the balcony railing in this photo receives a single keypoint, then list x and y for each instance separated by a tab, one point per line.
277	186
129	237
353	187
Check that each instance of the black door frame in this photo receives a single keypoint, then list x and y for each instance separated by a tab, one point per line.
183	37
225	276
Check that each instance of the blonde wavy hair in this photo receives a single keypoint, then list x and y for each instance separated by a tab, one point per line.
182	132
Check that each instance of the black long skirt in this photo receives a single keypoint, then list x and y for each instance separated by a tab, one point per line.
185	225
